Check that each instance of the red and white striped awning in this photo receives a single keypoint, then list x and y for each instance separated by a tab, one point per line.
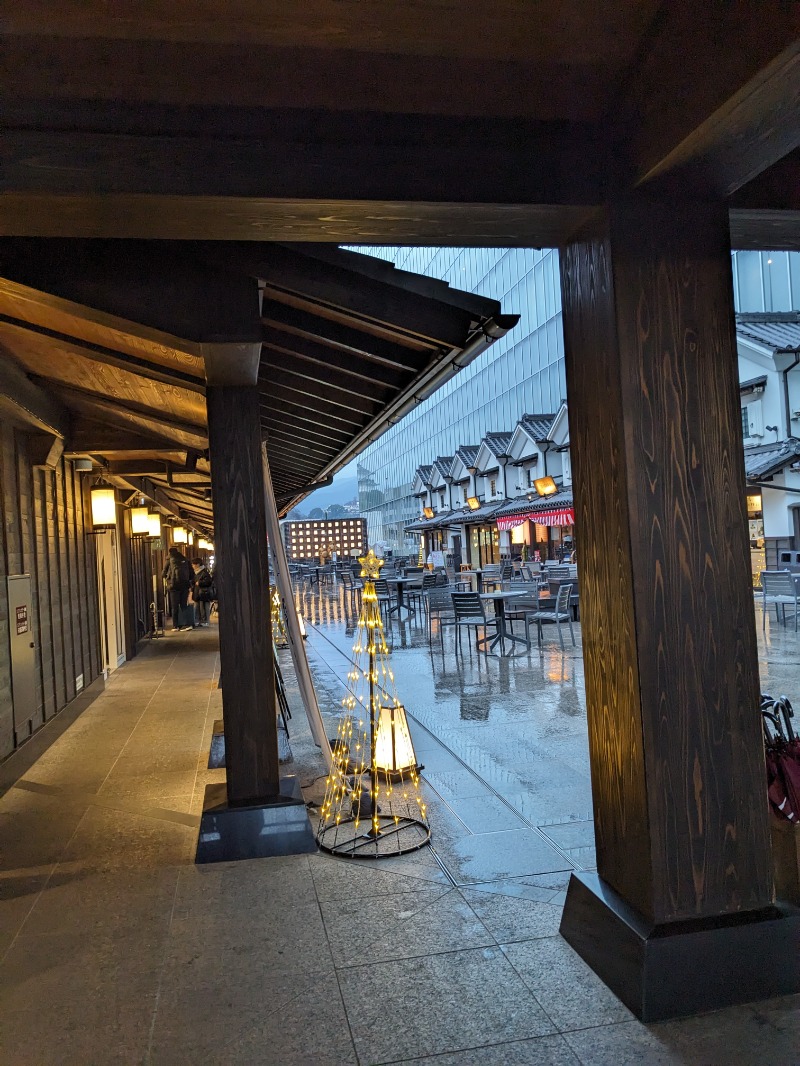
565	516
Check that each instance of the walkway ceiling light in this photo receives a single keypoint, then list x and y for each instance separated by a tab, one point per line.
545	486
473	503
104	507
179	535
154	524
140	522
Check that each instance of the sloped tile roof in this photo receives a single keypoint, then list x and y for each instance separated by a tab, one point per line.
424	473
443	464
468	453
767	459
778	331
538	426
499	443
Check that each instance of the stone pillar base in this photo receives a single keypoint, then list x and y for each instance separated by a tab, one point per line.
671	970
277	827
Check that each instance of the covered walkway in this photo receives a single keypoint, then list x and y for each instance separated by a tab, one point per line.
143	957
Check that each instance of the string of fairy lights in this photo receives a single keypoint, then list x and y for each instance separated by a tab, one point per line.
373	805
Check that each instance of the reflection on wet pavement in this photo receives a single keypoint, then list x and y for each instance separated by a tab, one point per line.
503	742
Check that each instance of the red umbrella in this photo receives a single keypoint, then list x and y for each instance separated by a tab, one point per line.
783	758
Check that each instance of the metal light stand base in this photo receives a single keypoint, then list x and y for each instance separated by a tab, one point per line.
396	836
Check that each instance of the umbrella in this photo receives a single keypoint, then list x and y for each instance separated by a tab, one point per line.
782	757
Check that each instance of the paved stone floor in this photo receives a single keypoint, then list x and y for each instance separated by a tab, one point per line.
116	948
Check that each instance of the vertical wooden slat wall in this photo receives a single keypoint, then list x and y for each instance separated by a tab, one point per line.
44	533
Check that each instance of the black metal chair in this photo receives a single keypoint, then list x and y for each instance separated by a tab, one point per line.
439	607
558	613
414	596
469	612
384	594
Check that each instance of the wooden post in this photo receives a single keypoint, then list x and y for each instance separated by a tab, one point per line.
245	630
672	686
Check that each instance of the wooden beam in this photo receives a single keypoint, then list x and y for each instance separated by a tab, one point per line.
316	393
281	317
245	632
89	435
161	287
713	135
107	356
275	399
232	364
259	154
45	450
141	467
338	289
117	411
26	402
317	359
151	216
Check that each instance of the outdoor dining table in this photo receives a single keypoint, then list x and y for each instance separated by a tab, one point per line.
401	583
503	633
492	575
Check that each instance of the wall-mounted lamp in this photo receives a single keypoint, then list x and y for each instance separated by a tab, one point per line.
545	486
473	503
104	507
427	512
140	522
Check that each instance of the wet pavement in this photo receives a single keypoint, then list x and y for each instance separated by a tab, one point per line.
116	948
502	739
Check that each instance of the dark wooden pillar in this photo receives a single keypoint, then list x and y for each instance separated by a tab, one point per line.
666	606
245	631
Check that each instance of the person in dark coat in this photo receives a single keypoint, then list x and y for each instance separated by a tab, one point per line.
179	577
203	590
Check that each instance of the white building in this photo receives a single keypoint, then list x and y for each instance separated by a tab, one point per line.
769	375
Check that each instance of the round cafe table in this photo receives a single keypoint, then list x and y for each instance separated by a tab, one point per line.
400	584
503	632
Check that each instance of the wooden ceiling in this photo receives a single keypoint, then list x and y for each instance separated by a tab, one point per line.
415	121
94	353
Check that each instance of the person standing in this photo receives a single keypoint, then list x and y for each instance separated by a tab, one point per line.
179	577
202	590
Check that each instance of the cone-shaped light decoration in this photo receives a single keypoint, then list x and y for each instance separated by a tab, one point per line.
373	805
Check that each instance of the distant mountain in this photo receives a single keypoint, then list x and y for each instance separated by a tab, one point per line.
343	490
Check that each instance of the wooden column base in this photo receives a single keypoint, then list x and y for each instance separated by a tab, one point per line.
671	970
257	831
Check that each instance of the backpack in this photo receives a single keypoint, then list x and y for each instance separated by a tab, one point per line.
184	575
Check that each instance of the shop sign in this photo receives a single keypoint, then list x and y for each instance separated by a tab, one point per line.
22	620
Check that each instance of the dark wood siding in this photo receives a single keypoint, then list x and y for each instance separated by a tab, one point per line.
43	533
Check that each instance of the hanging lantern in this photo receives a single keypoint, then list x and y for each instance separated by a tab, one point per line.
104	507
140	522
179	535
154	524
203	545
190	538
